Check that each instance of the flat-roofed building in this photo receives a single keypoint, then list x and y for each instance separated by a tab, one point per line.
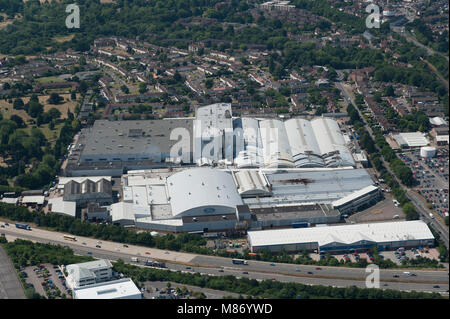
361	198
385	236
213	134
88	273
118	289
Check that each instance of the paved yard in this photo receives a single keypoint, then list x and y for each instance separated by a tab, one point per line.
162	285
382	211
37	277
10	287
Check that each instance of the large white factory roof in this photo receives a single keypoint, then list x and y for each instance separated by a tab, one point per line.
331	142
201	188
304	147
276	147
317	185
346	234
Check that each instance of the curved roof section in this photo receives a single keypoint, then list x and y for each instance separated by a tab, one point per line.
331	143
276	147
251	183
304	147
202	188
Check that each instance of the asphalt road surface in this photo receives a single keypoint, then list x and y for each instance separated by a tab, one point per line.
329	276
10	287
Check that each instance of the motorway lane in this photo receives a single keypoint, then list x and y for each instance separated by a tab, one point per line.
325	271
256	269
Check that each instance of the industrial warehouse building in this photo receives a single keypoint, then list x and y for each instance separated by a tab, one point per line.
207	199
384	235
213	137
411	140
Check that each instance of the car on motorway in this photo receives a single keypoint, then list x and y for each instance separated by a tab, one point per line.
318	268
396	276
89	253
245	272
98	246
220	270
436	286
297	270
147	253
272	278
125	246
6	224
385	284
272	264
83	243
188	267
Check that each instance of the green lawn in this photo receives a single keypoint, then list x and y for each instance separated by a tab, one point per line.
48	79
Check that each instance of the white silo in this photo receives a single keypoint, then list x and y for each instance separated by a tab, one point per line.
427	151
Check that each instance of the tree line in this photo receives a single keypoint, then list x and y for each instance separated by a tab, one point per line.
192	243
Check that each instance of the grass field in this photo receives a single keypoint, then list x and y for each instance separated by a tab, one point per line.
50	135
7	109
48	79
